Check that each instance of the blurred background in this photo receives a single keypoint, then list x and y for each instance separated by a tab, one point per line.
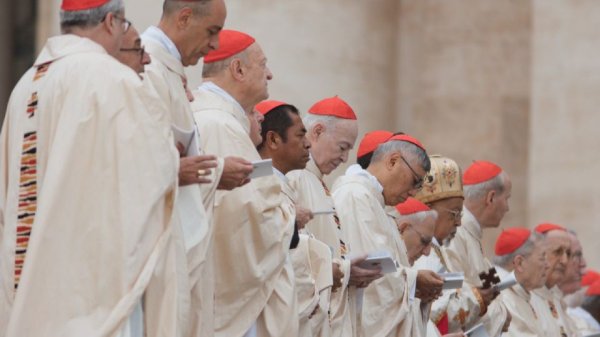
516	82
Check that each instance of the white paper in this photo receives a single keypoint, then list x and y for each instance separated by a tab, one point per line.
381	260
477	331
507	282
452	280
185	137
324	212
262	168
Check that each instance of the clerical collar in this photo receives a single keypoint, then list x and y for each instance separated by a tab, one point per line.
156	34
470	223
356	169
280	175
215	89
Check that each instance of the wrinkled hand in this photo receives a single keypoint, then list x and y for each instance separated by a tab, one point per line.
338	276
196	169
303	216
429	285
360	277
235	173
507	322
488	295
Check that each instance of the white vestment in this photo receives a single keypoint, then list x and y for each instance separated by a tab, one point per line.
88	176
253	229
548	311
465	254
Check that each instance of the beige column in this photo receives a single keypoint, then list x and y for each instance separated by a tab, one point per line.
464	85
6	35
565	141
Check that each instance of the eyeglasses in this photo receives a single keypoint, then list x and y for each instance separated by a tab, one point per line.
141	50
425	241
126	23
457	215
417	181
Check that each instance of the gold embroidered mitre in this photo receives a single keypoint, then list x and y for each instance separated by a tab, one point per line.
443	181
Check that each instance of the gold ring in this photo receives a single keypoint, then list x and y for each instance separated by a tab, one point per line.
202	172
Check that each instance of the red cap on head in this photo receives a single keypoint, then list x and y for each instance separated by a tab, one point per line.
480	171
80	5
265	107
371	140
411	206
333	106
590	277
546	227
231	42
594	289
407	138
510	240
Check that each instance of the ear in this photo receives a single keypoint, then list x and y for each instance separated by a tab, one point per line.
392	160
318	130
110	24
272	140
184	17
489	197
236	68
402	227
518	262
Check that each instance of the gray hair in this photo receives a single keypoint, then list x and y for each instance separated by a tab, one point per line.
214	68
198	7
310	120
480	190
89	17
404	148
525	250
418	218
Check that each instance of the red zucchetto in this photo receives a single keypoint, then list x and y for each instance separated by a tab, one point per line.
510	240
594	289
480	171
333	106
546	227
265	107
371	140
231	42
590	277
411	206
80	5
406	138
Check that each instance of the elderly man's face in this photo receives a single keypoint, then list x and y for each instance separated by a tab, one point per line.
132	53
449	218
532	271
499	206
258	74
558	251
417	237
200	34
404	171
330	144
575	267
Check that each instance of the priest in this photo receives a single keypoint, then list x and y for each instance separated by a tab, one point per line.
521	252
87	184
254	294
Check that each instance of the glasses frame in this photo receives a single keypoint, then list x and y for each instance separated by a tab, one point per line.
141	50
425	242
126	23
456	214
417	181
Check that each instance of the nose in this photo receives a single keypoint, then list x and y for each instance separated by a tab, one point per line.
344	156
413	192
260	117
213	42
146	59
269	74
306	143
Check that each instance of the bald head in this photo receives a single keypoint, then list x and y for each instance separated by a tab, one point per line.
199	7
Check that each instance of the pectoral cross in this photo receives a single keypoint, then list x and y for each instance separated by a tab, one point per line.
489	278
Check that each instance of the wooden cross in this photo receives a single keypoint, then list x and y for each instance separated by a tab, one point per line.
489	278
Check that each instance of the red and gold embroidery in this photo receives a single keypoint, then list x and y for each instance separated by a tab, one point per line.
336	219
553	309
32	105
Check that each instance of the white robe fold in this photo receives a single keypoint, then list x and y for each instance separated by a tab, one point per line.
95	190
308	184
253	229
525	321
387	307
549	313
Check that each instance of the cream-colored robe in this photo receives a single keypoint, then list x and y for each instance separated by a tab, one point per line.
549	313
253	229
94	179
462	306
386	303
559	299
312	195
195	202
525	321
465	254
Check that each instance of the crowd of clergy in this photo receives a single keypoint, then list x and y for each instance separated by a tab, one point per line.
132	205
